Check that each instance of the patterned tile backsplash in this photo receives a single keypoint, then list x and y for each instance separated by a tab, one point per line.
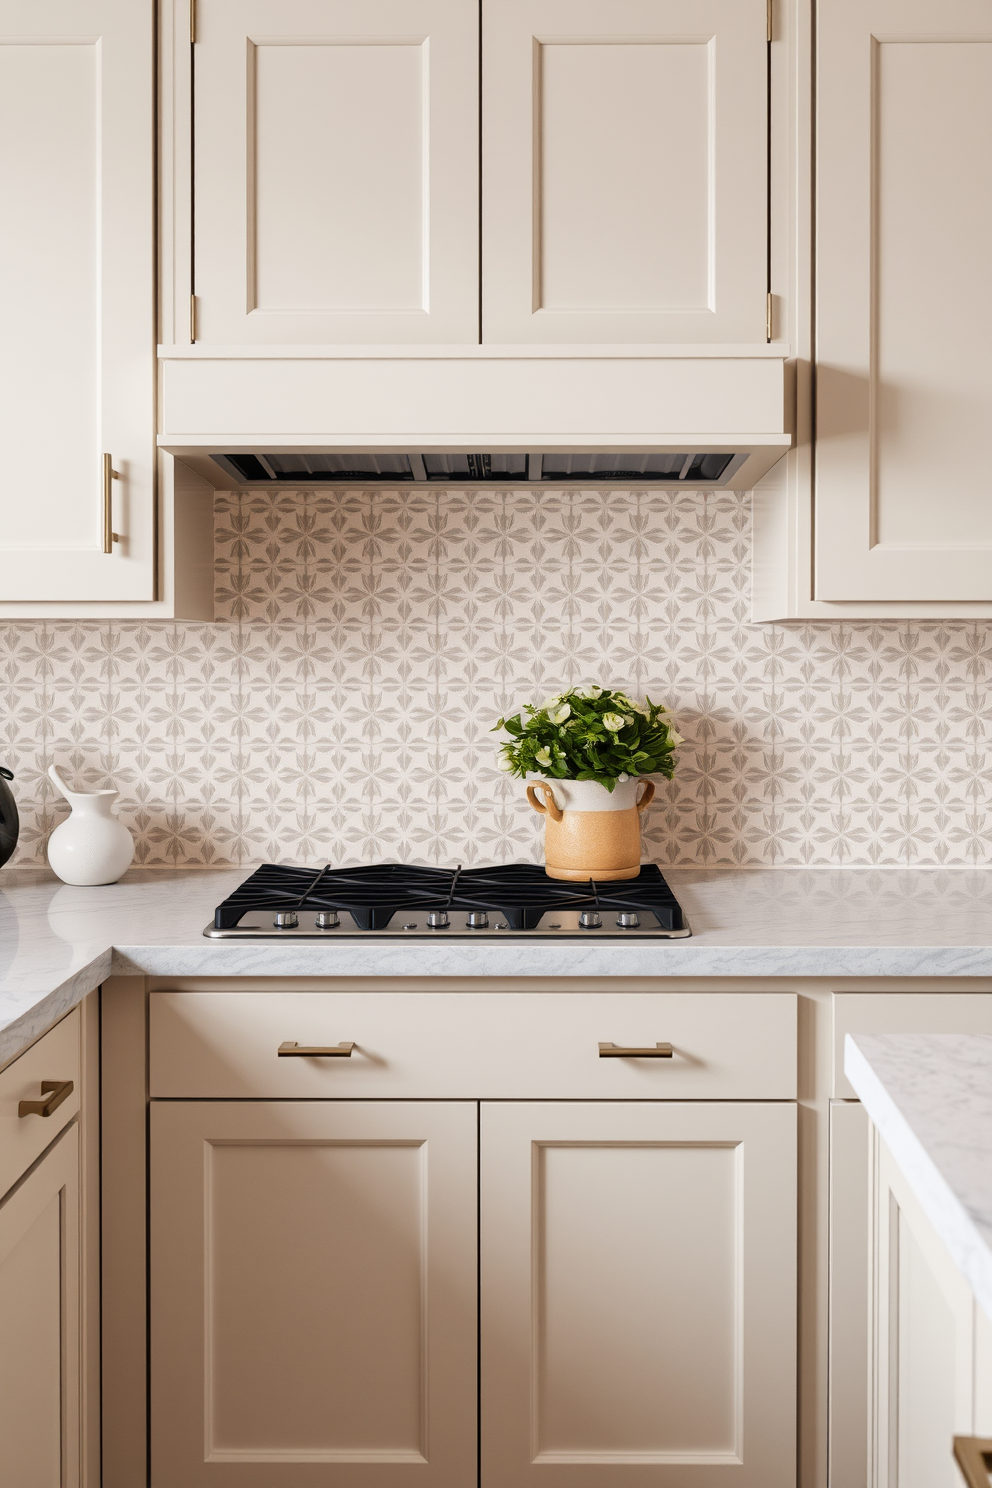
339	707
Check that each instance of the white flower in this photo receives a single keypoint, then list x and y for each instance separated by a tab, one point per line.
505	764
628	722
543	757
558	715
552	702
674	737
591	691
622	778
613	722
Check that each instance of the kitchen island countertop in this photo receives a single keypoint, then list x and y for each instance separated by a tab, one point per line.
58	942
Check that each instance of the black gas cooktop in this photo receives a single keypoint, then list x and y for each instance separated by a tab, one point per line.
280	902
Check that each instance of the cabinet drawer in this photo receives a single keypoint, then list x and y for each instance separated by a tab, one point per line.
54	1057
474	1045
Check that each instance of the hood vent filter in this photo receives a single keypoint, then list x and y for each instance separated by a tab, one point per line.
629	467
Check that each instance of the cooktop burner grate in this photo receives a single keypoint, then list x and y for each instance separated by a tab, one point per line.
373	894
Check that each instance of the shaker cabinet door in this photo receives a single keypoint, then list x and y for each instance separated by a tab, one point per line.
625	187
336	171
638	1281
313	1294
39	1324
77	339
903	485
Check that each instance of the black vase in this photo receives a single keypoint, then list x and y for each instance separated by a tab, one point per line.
9	821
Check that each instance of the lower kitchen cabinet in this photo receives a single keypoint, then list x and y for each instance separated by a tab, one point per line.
40	1323
313	1286
314	1293
932	1344
638	1294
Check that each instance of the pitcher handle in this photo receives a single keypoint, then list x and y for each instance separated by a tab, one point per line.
648	795
60	784
550	807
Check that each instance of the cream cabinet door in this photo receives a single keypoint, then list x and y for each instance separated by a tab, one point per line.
639	1295
624	172
904	300
336	171
39	1324
77	340
924	1343
313	1294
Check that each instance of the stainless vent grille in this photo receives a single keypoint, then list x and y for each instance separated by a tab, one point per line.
629	467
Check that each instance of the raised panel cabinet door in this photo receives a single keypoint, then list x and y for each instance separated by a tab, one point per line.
903	490
336	171
313	1294
638	1273
924	1342
39	1324
77	337
624	173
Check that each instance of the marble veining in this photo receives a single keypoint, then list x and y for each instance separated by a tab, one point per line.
57	942
930	1096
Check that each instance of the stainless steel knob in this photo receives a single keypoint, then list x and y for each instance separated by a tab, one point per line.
477	919
627	919
590	919
286	919
327	919
437	919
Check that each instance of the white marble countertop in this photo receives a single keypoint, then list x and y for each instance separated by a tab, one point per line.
57	942
930	1096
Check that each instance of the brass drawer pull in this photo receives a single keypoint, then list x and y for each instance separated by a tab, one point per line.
974	1458
54	1091
615	1051
316	1051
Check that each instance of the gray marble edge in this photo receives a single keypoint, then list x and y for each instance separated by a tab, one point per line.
458	958
965	1243
21	1026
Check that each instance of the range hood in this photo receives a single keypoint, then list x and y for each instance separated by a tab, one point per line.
467	417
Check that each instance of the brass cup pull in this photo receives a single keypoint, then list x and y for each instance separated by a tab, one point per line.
54	1091
974	1458
617	1051
316	1051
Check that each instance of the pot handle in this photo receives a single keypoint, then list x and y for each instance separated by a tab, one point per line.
550	807
648	795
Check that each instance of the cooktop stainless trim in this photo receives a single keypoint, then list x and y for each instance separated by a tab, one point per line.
554	925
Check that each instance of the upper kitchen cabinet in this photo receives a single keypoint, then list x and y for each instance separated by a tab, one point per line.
77	256
625	171
335	172
903	494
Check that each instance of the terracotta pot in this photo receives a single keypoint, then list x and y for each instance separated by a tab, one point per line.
590	832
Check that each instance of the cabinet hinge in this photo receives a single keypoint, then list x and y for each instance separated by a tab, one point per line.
768	18
192	20
192	317
768	317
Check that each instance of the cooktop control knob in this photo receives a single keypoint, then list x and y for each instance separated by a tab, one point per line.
627	919
437	919
590	919
477	919
327	919
286	919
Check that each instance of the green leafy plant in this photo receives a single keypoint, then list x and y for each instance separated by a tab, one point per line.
590	733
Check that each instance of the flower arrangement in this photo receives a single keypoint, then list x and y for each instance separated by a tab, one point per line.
590	733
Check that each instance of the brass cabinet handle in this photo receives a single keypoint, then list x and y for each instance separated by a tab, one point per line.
616	1051
54	1091
109	476
974	1458
316	1051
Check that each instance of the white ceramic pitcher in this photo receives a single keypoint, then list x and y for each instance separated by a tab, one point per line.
92	846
